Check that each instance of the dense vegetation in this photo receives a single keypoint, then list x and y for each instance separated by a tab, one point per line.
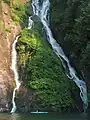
44	71
39	68
19	11
70	22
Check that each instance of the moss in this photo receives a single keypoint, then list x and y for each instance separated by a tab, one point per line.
20	13
44	70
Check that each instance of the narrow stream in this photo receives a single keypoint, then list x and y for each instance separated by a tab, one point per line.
16	76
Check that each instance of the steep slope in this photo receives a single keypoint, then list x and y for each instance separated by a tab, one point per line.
70	23
8	31
45	84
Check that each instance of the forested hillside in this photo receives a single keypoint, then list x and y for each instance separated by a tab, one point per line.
70	23
45	85
13	17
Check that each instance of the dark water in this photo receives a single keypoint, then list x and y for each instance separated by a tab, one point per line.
51	116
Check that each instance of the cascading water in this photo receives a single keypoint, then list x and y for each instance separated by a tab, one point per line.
30	22
16	76
14	67
41	10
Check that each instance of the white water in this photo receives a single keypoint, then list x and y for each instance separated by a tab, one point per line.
16	76
14	67
42	12
30	22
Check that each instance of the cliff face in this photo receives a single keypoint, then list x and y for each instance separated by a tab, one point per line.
8	31
44	84
70	23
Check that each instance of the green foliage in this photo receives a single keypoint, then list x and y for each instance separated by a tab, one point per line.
72	20
28	38
7	1
85	58
20	12
44	70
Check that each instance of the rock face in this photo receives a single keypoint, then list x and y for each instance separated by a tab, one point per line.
8	32
70	25
12	16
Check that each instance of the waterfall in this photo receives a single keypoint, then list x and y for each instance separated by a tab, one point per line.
41	10
16	76
14	67
30	22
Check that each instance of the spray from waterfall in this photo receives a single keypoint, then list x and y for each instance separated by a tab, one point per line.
42	12
16	76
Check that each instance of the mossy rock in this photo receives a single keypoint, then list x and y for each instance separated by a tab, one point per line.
45	75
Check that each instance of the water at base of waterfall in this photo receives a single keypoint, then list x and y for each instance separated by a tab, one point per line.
50	116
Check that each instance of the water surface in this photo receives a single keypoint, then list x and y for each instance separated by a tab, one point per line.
51	116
